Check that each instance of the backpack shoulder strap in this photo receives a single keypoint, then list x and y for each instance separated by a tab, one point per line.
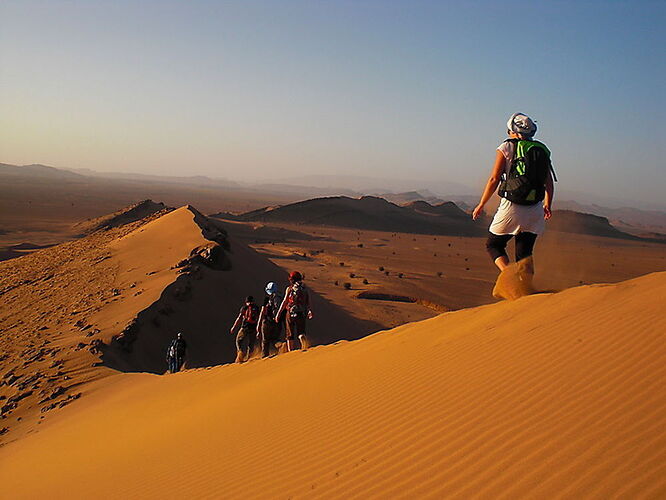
514	147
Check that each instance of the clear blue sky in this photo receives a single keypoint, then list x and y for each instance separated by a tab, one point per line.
262	90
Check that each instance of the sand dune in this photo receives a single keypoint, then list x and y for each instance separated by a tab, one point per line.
116	298
550	395
160	300
121	217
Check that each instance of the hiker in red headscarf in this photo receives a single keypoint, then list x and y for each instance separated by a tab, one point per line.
296	303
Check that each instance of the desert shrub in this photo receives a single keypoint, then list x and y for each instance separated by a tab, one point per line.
386	273
440	274
434	255
365	281
347	286
467	269
342	264
360	245
381	268
400	275
352	275
337	282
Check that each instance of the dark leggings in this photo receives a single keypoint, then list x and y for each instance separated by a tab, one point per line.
496	245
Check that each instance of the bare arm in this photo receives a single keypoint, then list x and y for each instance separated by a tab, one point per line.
283	306
548	199
491	185
262	313
307	305
236	323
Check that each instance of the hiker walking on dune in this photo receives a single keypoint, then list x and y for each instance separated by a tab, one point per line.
524	175
269	321
296	303
247	319
176	353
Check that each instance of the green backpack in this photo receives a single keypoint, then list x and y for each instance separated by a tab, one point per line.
525	182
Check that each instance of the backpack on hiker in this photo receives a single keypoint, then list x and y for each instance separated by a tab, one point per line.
250	314
524	183
297	300
176	349
272	305
171	352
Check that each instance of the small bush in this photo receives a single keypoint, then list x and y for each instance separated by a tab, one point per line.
360	245
347	286
386	273
440	274
381	268
365	281
400	275
434	255
337	283
342	264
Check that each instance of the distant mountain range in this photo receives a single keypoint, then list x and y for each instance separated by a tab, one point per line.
650	223
37	172
372	213
644	220
378	214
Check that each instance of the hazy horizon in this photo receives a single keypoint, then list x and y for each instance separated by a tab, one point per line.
397	91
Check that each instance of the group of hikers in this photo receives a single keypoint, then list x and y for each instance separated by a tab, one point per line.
262	325
523	177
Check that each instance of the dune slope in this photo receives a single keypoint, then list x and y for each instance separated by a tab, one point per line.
549	395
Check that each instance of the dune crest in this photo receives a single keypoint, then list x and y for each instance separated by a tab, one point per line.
64	305
550	395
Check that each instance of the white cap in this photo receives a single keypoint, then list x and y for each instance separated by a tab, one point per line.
521	124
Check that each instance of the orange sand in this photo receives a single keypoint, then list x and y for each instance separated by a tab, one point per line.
549	395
